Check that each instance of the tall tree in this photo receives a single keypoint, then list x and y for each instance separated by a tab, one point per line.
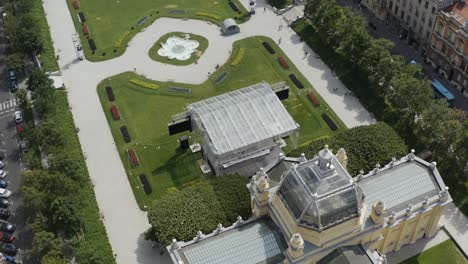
15	61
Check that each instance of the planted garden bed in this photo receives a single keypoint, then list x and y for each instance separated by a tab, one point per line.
296	81
329	122
283	62
133	158
146	184
125	134
313	99
268	47
115	112
92	44
110	94
81	17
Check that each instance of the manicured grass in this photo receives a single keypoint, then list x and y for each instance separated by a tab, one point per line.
153	52
47	56
113	23
146	112
446	252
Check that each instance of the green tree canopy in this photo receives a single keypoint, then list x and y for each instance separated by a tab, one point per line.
364	145
182	213
233	196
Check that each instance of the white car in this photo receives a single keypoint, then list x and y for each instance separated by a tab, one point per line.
18	116
4	193
2	174
2	164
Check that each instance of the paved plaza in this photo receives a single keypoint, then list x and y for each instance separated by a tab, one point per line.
124	221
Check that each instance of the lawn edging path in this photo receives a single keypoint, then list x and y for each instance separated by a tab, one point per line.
124	221
203	44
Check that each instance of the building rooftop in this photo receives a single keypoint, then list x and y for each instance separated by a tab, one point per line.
459	11
347	255
320	193
259	241
241	118
407	182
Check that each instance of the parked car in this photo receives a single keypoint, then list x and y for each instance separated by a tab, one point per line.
4	214
19	128
12	75
13	86
9	249
2	174
7	227
18	116
3	183
4	203
5	237
2	164
5	193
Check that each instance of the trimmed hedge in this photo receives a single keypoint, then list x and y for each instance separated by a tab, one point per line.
234	7
146	184
209	15
268	47
81	17
296	81
329	122
125	134
110	93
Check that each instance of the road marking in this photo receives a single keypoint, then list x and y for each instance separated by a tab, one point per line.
8	106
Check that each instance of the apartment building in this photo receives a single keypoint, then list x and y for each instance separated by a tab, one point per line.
448	51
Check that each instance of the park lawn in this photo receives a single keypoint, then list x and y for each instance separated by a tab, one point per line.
153	52
113	24
446	252
146	112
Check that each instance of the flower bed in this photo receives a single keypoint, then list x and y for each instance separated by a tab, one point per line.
125	134
144	84
133	157
238	57
115	112
85	29
122	37
283	62
209	15
110	94
76	4
313	99
268	48
296	81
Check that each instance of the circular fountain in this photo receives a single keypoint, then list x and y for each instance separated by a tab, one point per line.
178	48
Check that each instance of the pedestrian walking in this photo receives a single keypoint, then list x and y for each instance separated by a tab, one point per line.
264	9
279	41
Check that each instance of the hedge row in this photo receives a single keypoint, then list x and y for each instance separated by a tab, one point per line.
268	47
125	134
296	81
238	57
110	93
146	185
209	15
329	122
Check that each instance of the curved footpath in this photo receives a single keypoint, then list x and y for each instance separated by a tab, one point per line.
124	221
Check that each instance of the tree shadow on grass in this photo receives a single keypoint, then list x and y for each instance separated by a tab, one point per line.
182	167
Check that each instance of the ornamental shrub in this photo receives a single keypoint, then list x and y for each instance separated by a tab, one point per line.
115	112
133	157
283	62
313	99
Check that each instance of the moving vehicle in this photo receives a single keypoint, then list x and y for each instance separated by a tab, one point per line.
4	203
2	174
18	117
4	193
9	249
19	128
4	214
440	92
5	237
7	227
3	183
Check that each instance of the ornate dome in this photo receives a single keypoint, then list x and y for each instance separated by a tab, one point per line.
320	193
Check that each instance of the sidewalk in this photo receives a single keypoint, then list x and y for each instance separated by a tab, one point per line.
456	224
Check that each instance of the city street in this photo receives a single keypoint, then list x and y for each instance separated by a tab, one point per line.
407	51
9	145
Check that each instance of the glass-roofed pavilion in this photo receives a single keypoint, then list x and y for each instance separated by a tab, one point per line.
241	131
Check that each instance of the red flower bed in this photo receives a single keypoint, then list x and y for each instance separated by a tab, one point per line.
85	29
133	157
283	62
313	99
76	4
115	112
